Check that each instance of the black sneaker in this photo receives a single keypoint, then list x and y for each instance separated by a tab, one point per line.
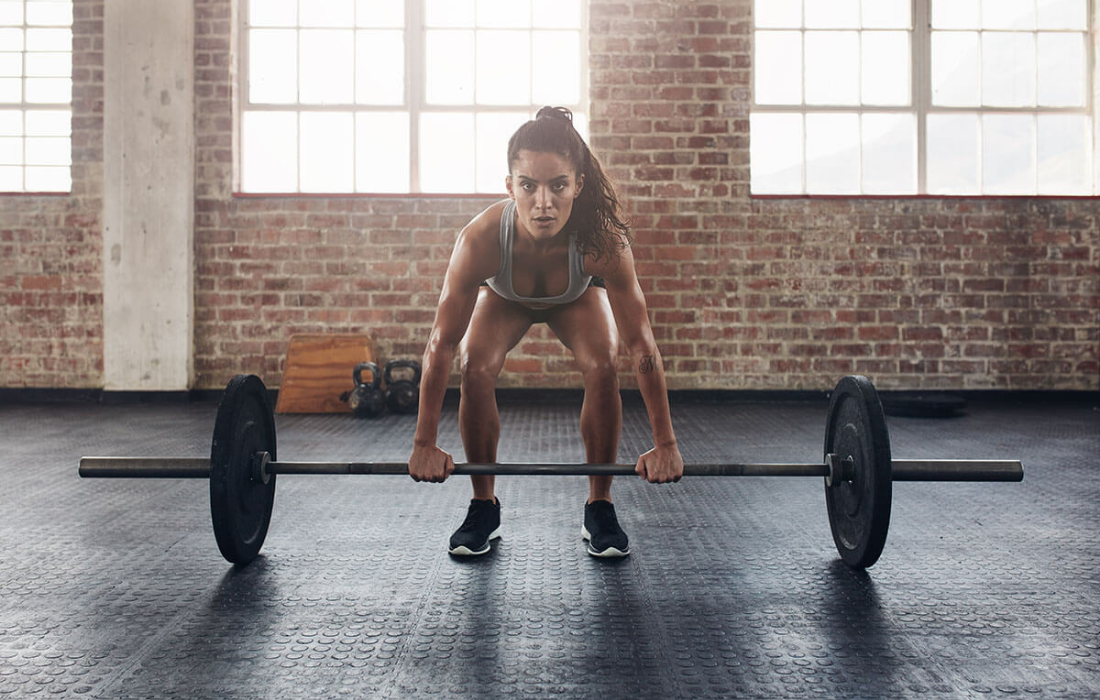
601	529
482	524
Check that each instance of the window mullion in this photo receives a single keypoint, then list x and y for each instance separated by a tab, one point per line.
415	79
921	89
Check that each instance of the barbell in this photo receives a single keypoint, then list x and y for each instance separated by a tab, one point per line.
858	469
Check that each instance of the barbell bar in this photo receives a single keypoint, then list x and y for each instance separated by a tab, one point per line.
902	469
858	470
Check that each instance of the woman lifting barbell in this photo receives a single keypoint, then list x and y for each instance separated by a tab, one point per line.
556	252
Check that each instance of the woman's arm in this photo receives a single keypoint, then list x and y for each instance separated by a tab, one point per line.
475	258
663	463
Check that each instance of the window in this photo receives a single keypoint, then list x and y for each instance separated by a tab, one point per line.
393	96
36	58
945	97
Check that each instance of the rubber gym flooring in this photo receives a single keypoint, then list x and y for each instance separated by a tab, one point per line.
116	589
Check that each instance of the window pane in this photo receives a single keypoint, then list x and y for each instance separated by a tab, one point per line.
50	64
48	151
952	154
832	14
273	66
49	90
380	67
11	39
1008	69
450	67
329	13
889	152
775	153
1063	14
450	13
955	75
49	40
11	151
11	65
779	14
57	14
1008	154
327	157
580	124
832	153
48	179
11	178
326	66
956	14
503	67
832	68
1008	14
269	152
446	152
273	13
382	152
778	68
493	132
1063	154
49	122
11	12
885	64
11	122
886	14
11	90
1061	69
556	72
504	13
556	14
380	13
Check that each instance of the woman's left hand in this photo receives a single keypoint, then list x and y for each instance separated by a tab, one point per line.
661	465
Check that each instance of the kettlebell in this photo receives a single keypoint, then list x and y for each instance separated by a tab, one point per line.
367	400
402	395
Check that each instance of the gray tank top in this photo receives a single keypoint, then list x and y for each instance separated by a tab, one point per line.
501	283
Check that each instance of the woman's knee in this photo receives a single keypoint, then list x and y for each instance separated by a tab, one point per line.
480	370
599	369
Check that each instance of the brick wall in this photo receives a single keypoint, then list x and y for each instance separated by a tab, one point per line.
743	292
51	268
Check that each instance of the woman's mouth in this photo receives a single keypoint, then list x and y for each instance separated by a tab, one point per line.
544	220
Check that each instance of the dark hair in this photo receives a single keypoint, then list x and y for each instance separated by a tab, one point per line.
596	221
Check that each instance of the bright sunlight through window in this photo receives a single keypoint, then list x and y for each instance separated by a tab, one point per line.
947	97
36	62
397	96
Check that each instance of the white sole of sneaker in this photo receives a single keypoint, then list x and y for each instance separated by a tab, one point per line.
465	551
610	552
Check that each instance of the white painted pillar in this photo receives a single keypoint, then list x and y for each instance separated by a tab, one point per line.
148	198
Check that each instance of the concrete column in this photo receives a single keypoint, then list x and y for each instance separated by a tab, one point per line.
148	218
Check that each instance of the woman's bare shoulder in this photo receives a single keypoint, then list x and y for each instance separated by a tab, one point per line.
478	245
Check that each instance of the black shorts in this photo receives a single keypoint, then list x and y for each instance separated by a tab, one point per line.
543	315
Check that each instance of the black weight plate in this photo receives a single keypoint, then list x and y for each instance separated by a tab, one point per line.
859	510
240	505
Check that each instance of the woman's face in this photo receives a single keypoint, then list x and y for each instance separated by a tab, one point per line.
544	186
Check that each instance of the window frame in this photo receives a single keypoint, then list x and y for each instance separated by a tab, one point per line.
921	106
23	107
415	103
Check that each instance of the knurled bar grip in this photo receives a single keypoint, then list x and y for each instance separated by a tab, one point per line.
902	469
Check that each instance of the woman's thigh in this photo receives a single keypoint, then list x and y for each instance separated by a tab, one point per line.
495	327
587	327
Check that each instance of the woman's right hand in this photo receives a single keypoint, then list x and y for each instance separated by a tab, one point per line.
429	463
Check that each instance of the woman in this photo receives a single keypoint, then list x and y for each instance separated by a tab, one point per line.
556	252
